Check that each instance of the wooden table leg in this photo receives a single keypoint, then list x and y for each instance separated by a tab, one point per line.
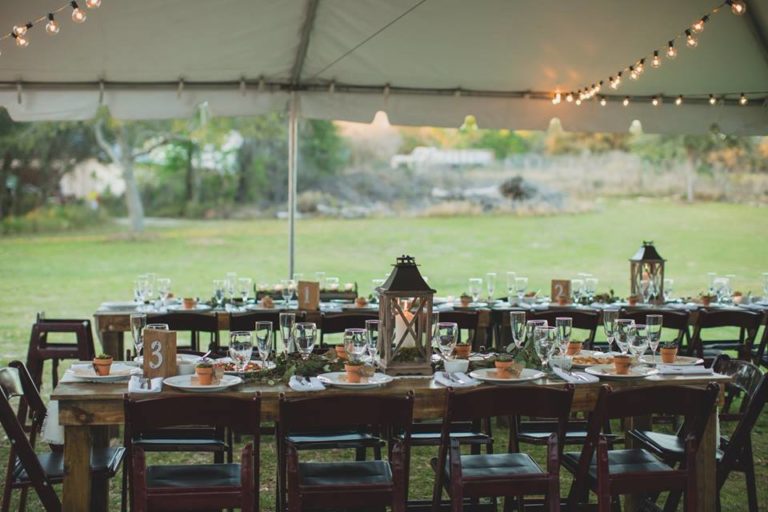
77	470
100	488
706	467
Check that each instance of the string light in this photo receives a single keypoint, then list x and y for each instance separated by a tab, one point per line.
743	99
671	50
655	101
640	66
52	27
656	60
578	101
556	98
626	101
698	27
632	73
603	101
20	41
78	15
93	4
569	97
690	41
679	100
712	99
20	30
738	7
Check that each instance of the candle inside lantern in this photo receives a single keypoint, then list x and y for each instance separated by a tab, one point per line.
401	328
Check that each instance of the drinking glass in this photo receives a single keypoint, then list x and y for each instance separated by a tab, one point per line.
531	325
447	336
230	284
521	284
138	323
240	348
624	331
288	288
375	285
475	285
646	289
490	285
577	288
163	288
544	342
638	342
355	343
517	323
609	325
263	333
320	278
564	327
511	291
287	322
711	276
434	332
218	292
245	285
668	289
298	277
304	335
138	290
372	332
590	286
654	325
332	283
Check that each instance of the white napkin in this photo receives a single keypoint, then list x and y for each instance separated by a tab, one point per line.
665	369
575	377
134	385
53	432
302	385
464	380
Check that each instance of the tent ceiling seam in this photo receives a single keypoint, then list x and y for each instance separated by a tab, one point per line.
757	31
302	50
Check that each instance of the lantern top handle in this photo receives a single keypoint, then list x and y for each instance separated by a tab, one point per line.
405	260
405	277
647	253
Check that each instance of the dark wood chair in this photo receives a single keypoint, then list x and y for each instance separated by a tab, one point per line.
672	320
610	473
511	474
760	354
339	485
40	470
194	323
747	322
334	323
735	453
41	350
194	486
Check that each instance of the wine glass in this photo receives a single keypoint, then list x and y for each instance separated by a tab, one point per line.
638	341
711	276
544	342
517	323
138	291
240	348
646	289
147	291
288	287
511	276
531	325
163	288
521	284
475	285
668	289
590	286
218	292
577	287
654	325
372	332
332	283
490	285
320	278
304	335
138	323
287	322
609	325
447	336
245	285
564	327
624	331
297	276
355	343
263	333
375	285
230	284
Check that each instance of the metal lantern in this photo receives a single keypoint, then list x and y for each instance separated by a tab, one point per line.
648	265
405	321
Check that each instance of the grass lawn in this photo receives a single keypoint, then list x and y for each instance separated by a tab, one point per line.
70	274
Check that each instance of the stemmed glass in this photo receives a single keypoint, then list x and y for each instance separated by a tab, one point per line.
564	327
654	325
531	325
138	323
245	285
218	292
320	278
624	331
288	288
355	343
240	348
263	333
765	288
521	284
511	290
372	338
447	336
475	285
517	323
646	289
609	325
577	288
490	285
304	335
375	285
332	283
668	289
138	291
638	342
287	322
544	341
230	284
590	286
163	289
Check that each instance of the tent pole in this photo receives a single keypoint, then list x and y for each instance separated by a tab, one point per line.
292	171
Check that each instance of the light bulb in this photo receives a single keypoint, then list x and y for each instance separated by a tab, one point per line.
556	99
640	66
679	100
738	7
632	73
712	99
690	41
671	50
743	99
655	101
626	101
52	27
78	15
92	4
656	60
578	101
21	42
699	25
569	97
20	30
603	102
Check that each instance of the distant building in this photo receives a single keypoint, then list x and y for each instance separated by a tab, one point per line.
91	178
431	156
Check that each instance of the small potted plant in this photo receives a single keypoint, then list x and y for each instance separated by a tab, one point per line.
354	371
562	300
622	362
632	300
706	299
461	351
189	302
361	302
102	364
465	299
669	352
204	372
503	362
574	347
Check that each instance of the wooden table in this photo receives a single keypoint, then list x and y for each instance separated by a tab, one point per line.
86	410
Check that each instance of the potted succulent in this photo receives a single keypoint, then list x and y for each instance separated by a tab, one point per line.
669	352
204	372
461	351
503	362
465	299
706	298
102	364
574	347
354	371
632	300
622	362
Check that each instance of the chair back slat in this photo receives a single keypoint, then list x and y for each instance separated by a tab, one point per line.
670	400
748	323
200	322
247	321
333	323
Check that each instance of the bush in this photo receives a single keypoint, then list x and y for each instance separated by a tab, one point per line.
53	218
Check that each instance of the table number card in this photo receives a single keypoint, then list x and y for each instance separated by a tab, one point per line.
308	294
561	288
159	353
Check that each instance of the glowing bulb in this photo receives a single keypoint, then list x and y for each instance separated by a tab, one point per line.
679	100
21	42
712	100
655	101
743	99
20	30
78	15
671	50
690	41
640	66
603	102
578	101
52	27
556	99
92	4
738	7
626	101
632	73
699	25
656	60
569	97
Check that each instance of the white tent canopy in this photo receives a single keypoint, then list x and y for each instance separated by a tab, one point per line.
424	62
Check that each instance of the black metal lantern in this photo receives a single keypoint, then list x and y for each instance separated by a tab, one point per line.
405	321
646	273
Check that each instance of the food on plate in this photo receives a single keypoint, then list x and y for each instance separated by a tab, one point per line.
587	360
229	366
267	302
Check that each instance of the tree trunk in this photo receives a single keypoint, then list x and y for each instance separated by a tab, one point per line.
690	178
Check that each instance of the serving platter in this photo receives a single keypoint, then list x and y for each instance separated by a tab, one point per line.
186	383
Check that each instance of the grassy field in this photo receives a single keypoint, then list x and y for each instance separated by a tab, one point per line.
70	274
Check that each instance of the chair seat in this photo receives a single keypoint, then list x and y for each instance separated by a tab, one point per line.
668	446
332	440
433	438
496	465
319	474
181	444
635	460
194	475
104	462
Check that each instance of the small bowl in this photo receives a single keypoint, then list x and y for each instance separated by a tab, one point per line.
456	365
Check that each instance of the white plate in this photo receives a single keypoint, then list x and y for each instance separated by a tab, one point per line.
180	307
184	382
187	358
119	305
679	360
339	380
608	371
117	372
489	375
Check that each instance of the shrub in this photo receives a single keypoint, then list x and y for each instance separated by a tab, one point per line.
53	218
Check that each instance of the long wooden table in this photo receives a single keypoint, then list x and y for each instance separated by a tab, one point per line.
87	410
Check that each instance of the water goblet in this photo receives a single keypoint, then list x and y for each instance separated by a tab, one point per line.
218	292
288	287
490	285
475	285
355	343
638	341
577	288
297	276
332	283
320	278
447	336
517	324
590	287
287	323
654	325
240	348
668	289
263	333
711	276
245	285
624	330
138	323
564	326
609	325
304	335
230	284
544	342
646	289
521	285
372	338
531	325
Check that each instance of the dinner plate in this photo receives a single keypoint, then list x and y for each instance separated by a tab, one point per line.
118	372
679	361
187	358
180	307
339	380
184	382
119	305
608	371
490	375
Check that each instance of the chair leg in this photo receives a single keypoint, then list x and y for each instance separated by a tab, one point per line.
23	499
673	500
55	373
748	464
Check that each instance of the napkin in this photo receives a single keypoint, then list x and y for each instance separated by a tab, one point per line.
53	432
302	385
665	369
574	377
69	375
155	386
462	380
